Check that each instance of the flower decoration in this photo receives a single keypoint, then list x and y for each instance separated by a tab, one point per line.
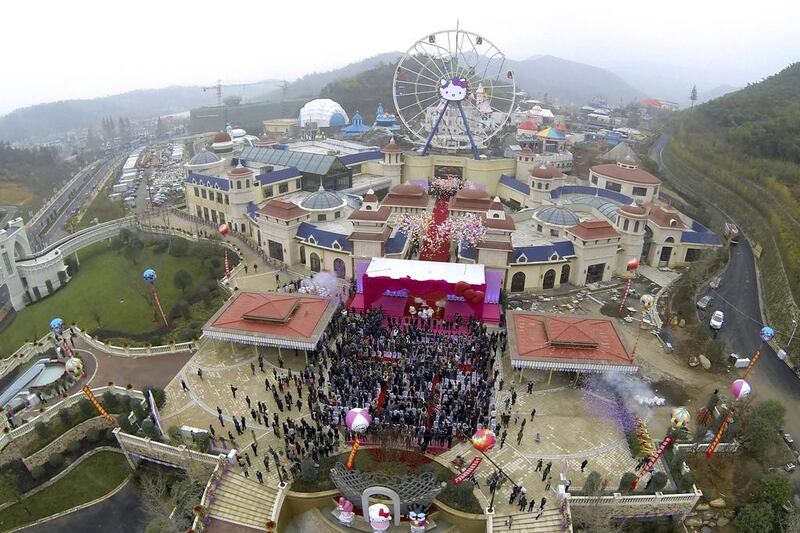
469	228
446	186
415	227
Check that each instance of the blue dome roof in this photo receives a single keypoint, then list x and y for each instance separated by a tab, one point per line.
204	158
322	199
557	216
337	119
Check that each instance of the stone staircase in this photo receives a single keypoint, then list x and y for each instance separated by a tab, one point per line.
243	501
549	522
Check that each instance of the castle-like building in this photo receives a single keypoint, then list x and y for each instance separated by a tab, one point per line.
333	205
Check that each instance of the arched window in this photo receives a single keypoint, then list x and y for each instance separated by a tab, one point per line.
303	255
315	263
339	268
564	278
518	282
549	279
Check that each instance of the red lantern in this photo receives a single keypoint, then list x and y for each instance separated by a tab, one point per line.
224	229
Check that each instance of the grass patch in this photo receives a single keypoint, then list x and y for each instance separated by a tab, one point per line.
14	193
102	209
108	293
94	477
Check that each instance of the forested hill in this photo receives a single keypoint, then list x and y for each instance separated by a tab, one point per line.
35	169
761	120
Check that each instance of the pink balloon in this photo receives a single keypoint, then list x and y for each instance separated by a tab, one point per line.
740	388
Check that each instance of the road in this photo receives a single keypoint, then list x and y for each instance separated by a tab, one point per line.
738	298
65	205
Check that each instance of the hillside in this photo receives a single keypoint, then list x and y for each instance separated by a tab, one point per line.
51	118
559	79
310	85
28	174
743	150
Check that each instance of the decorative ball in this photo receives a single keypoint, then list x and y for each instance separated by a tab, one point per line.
680	417
647	301
767	333
358	419
740	389
484	440
149	276
224	229
633	264
74	367
57	325
412	310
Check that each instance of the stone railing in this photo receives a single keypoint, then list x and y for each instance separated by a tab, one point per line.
621	505
85	237
701	447
140	351
62	441
198	465
206	500
24	434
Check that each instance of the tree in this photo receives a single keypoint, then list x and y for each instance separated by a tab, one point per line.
755	518
161	495
693	95
593	485
182	280
659	481
775	489
625	482
760	425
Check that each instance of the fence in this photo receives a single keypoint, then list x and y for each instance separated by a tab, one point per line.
687	501
50	412
701	447
141	351
198	465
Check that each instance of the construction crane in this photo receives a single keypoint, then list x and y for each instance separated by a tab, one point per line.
283	84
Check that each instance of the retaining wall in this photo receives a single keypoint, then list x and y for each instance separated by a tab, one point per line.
60	443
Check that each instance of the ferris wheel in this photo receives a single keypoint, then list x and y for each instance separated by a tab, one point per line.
454	90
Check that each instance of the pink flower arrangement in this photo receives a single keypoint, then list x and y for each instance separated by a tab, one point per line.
446	186
415	227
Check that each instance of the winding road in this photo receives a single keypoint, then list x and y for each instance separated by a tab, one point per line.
738	298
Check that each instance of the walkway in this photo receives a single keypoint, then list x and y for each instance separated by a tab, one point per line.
440	252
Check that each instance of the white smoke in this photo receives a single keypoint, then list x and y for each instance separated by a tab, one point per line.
322	283
636	393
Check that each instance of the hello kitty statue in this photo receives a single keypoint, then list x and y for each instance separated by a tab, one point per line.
417	518
380	518
453	90
346	514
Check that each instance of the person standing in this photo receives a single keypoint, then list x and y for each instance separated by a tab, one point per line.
583	464
200	373
184	386
233	391
523	502
531	505
533	413
266	462
544	501
538	466
260	477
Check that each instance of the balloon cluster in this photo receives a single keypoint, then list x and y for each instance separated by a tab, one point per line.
466	291
484	440
57	326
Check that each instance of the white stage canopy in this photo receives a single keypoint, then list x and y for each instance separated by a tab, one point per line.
426	270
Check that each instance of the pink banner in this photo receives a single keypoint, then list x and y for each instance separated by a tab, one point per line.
468	471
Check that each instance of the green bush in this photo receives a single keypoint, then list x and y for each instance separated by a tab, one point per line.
109	401
93	435
74	446
109	435
160	246
56	460
178	247
38	473
42	429
659	481
309	469
625	482
124	424
85	407
174	434
593	484
159	396
149	428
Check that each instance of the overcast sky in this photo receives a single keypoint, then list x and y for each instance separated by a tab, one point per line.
57	50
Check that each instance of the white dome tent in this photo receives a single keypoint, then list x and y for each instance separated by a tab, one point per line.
324	112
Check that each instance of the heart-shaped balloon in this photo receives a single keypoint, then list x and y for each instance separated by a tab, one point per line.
461	286
479	295
469	293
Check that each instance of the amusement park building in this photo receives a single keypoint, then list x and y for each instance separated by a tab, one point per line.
317	203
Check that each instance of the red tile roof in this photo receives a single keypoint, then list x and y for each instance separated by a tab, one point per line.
369	236
569	339
292	317
546	172
662	217
633	210
282	210
590	230
406	195
498	223
631	175
380	214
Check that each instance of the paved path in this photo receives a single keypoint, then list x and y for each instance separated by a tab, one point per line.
121	513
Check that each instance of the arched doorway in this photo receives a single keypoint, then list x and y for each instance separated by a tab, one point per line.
549	279
303	255
564	275
666	253
518	282
338	267
314	258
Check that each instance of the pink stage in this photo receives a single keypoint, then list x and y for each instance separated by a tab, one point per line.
395	306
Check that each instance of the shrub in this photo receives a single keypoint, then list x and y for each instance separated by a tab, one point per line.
593	483
625	482
174	434
149	428
93	435
109	435
85	407
160	246
202	442
180	310
38	473
659	481
74	446
42	429
178	247
64	417
109	401
56	460
159	396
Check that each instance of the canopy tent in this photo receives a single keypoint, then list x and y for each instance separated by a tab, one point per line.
430	280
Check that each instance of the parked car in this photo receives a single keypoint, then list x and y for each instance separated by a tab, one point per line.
715	283
703	302
790	467
717	319
787	438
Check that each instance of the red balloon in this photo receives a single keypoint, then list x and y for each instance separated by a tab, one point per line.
469	293
479	295
476	299
633	264
224	229
461	287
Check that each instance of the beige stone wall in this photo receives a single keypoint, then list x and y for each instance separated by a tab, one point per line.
60	444
599	510
483	171
534	273
193	202
507	193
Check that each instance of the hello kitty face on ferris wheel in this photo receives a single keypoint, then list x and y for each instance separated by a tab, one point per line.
453	90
